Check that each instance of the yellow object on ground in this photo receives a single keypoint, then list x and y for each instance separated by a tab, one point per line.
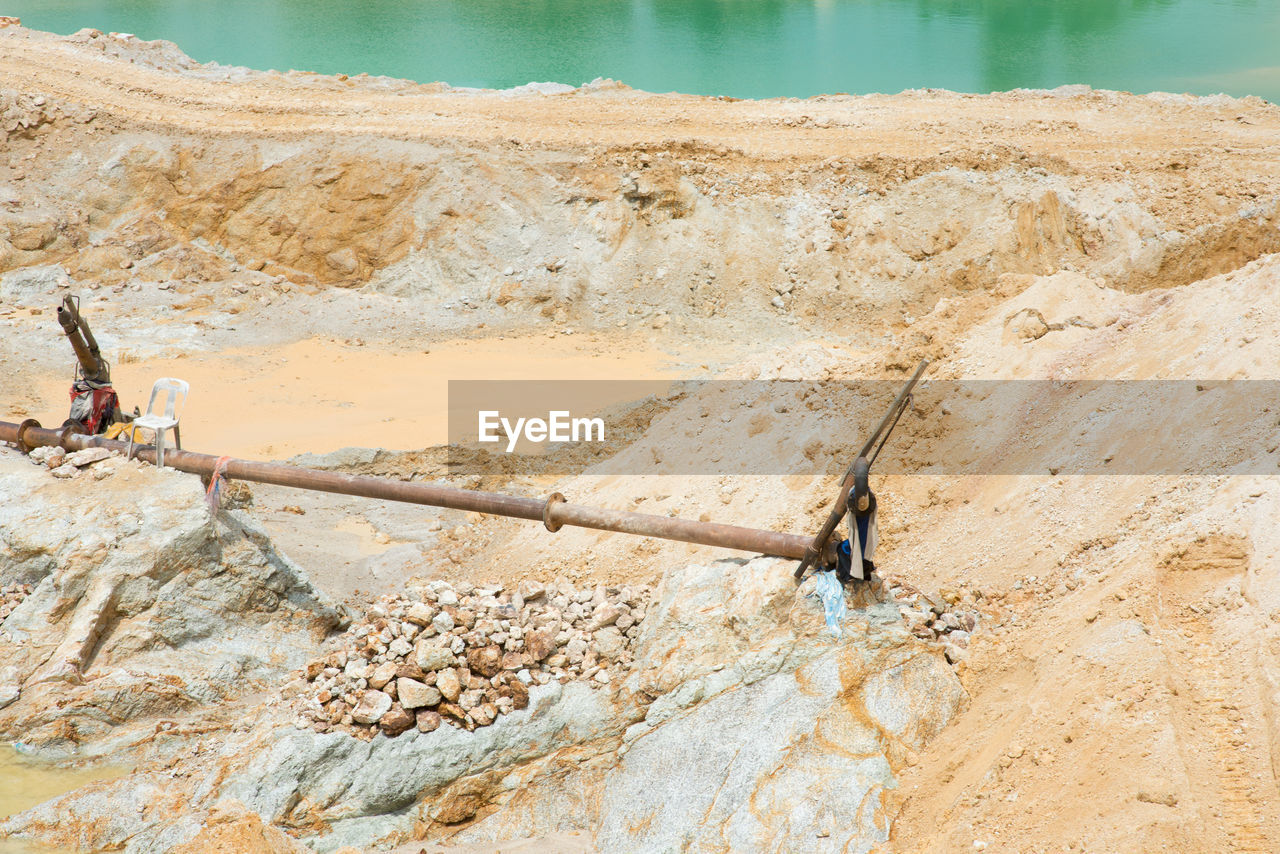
120	430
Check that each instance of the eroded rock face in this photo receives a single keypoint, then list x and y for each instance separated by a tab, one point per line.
764	732
140	603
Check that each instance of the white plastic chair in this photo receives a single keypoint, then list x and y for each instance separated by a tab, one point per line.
175	396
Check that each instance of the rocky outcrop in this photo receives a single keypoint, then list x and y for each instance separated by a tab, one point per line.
141	604
764	732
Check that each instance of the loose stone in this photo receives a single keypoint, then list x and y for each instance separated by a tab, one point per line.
372	706
486	661
415	695
430	655
428	721
449	685
382	674
396	721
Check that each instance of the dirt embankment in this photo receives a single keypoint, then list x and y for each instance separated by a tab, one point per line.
599	204
1129	655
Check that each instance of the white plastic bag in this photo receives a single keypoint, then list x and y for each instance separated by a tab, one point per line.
830	592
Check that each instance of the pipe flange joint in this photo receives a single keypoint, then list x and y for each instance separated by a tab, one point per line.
64	437
547	521
22	433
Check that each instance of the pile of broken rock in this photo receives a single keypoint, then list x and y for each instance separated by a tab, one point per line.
64	464
465	655
949	616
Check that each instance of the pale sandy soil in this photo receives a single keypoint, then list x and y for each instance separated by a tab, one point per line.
313	396
1124	694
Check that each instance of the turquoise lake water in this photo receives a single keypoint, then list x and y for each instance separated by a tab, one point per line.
744	48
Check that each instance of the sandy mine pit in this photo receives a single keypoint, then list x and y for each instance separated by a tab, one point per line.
1054	662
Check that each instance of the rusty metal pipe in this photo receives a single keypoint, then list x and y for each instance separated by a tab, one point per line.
552	512
684	530
91	364
73	306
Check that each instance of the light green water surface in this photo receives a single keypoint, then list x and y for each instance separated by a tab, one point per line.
744	48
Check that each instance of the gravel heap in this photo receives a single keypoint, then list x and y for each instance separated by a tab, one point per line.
11	596
941	616
464	655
